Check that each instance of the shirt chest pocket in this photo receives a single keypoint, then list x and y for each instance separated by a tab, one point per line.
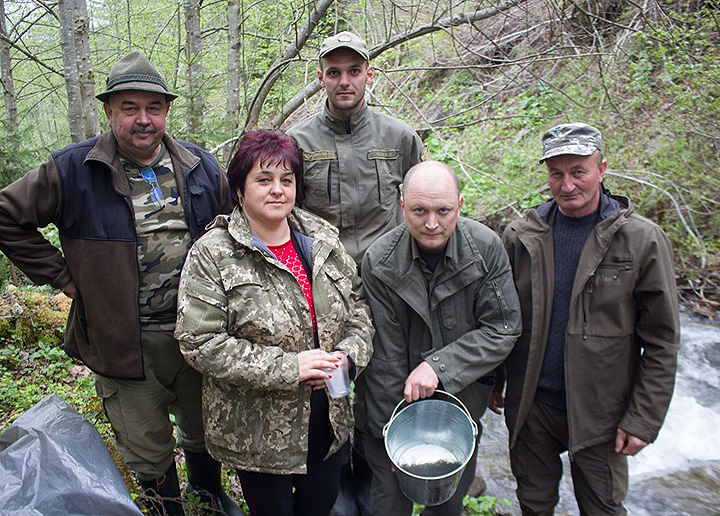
388	173
321	178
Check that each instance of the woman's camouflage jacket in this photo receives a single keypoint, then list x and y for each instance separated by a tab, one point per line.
242	319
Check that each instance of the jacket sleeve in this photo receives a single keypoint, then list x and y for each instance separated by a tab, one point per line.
657	330
497	325
500	371
202	331
416	151
30	203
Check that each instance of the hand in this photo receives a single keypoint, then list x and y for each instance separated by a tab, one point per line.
421	383
313	361
70	290
319	384
628	444
497	402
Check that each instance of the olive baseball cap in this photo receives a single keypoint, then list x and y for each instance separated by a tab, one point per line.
577	139
135	72
345	39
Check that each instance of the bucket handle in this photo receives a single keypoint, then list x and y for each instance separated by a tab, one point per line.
437	391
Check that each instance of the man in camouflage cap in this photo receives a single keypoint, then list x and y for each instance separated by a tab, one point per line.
594	369
128	205
355	160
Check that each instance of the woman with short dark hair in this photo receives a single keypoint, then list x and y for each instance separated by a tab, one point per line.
266	296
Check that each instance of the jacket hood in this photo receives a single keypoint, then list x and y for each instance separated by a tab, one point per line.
300	220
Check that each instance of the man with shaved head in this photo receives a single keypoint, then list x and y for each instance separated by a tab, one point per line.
446	315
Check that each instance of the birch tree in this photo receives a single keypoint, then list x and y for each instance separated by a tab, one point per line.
232	113
6	77
195	70
70	68
86	76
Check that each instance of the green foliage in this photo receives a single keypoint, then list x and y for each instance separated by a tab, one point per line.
485	505
477	506
15	158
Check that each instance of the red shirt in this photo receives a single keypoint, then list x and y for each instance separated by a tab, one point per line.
288	256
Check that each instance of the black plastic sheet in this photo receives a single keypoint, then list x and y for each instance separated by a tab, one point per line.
53	462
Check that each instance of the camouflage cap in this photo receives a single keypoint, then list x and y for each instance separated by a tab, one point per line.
577	139
345	39
135	72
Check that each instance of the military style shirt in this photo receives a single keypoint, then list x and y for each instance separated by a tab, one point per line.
353	172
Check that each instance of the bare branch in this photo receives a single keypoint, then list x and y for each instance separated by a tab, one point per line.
31	56
288	56
453	21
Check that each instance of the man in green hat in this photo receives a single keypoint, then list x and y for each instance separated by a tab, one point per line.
128	204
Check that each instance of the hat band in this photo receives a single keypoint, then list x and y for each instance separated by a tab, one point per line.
135	77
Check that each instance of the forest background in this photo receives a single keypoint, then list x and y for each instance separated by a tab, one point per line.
480	82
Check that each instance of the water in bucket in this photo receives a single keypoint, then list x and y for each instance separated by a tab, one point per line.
428	460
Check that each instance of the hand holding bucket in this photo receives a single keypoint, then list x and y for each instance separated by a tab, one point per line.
430	441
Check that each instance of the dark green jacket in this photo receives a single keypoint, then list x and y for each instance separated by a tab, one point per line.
353	170
471	316
623	330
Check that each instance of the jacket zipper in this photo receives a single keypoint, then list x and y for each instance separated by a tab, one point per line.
499	297
329	183
377	175
586	290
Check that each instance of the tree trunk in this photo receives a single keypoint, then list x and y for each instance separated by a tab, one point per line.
195	68
85	71
232	116
72	80
7	82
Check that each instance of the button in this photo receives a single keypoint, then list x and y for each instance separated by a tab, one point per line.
435	358
442	367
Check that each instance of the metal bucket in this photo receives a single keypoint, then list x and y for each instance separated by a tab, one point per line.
430	441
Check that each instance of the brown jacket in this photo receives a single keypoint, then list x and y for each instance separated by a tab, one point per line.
623	330
83	190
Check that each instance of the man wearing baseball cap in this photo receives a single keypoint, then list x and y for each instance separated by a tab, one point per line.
355	157
128	204
594	369
355	160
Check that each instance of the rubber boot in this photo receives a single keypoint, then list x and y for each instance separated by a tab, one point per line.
345	504
478	486
362	478
163	494
204	481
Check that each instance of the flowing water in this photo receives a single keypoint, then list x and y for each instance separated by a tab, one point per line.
679	474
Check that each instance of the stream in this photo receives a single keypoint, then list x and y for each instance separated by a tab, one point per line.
679	474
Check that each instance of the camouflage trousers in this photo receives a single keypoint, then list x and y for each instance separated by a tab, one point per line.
139	411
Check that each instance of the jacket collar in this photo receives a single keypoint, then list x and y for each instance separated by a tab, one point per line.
396	269
342	126
610	206
301	222
105	151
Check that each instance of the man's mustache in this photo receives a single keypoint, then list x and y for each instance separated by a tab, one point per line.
142	129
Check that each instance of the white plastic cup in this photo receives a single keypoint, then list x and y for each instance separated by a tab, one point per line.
338	384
